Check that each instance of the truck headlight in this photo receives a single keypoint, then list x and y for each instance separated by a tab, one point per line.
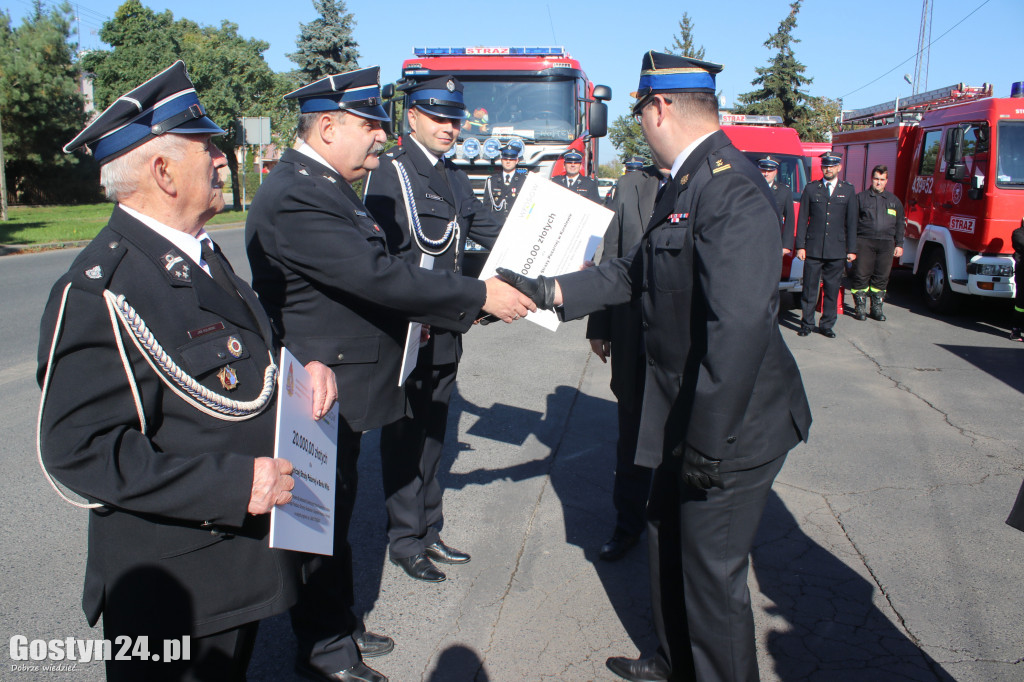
990	269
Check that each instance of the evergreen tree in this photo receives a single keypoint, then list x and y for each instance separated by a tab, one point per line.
325	45
780	84
229	72
41	107
682	42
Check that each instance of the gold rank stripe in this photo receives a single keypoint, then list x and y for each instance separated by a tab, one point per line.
663	72
721	168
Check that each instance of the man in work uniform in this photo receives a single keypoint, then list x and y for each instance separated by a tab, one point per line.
723	399
616	332
825	242
323	271
415	181
503	187
581	184
158	372
769	167
878	217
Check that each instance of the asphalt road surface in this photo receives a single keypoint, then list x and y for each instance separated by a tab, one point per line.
883	554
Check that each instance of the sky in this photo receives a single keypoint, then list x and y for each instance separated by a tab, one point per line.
857	53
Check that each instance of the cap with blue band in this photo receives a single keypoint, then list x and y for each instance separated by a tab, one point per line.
357	92
439	97
661	72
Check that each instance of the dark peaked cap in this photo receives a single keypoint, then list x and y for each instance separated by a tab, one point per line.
357	92
439	97
828	159
660	72
165	103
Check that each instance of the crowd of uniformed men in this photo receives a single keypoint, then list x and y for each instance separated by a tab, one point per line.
158	364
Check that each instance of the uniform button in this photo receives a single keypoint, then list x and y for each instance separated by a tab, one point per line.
462	315
645	326
341	356
730	440
113	245
222	354
648	246
650	361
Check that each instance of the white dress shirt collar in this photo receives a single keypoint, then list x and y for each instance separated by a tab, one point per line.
683	155
304	148
183	241
433	158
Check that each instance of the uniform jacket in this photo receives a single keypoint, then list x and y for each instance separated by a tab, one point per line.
877	215
502	196
584	186
719	379
438	201
175	495
635	193
822	228
321	266
784	202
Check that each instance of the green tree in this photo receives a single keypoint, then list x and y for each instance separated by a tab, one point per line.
780	84
823	119
325	45
682	42
230	74
41	107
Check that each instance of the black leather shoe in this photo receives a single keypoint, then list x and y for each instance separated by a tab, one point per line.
616	548
444	554
638	669
805	330
418	566
827	333
371	645
360	672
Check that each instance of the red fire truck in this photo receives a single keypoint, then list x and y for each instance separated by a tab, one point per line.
956	161
757	136
536	98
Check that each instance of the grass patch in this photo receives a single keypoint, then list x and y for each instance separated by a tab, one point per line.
27	225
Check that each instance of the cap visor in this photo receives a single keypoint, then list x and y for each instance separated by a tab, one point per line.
199	126
443	112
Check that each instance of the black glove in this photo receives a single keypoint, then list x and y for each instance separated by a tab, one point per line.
698	470
540	290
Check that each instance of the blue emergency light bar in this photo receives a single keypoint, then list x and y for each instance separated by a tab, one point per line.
489	51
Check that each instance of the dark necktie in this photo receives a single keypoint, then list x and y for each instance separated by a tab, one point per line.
218	268
508	179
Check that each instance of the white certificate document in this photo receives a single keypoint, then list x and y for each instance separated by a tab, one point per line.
413	337
306	524
550	231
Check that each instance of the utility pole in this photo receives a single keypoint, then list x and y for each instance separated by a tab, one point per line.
924	49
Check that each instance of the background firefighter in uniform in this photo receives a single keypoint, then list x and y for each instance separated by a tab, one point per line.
769	168
1017	239
503	187
878	217
576	181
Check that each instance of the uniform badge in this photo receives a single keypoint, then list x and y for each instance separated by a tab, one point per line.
303	171
228	378
676	217
328	177
685	179
234	347
177	266
513	190
361	214
95	272
450	85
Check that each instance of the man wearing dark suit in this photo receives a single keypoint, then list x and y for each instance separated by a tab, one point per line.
158	376
415	181
616	332
573	180
321	266
723	399
825	243
769	168
503	187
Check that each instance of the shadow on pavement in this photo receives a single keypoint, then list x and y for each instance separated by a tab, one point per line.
458	662
833	631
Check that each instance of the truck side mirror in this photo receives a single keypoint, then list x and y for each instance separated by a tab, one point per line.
598	119
956	171
602	92
954	153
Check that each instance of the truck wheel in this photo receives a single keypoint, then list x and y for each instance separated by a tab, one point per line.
935	282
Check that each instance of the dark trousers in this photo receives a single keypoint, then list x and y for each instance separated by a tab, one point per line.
632	482
1018	299
828	271
410	456
223	656
323	619
873	264
699	544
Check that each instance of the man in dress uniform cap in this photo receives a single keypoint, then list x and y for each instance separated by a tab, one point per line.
769	167
415	181
825	242
503	187
634	164
158	376
335	293
723	400
581	184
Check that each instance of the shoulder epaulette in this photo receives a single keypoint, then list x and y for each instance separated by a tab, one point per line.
96	267
718	164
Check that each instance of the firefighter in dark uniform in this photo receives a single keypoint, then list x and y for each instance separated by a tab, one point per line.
769	168
581	184
878	217
723	399
323	271
1017	240
503	187
158	372
825	242
414	179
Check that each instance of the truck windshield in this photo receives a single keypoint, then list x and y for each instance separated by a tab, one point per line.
791	170
535	110
1010	157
